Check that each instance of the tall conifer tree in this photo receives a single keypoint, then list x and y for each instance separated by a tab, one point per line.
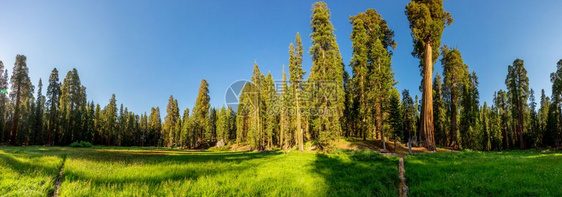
427	21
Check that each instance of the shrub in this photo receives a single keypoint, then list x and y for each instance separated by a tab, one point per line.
81	144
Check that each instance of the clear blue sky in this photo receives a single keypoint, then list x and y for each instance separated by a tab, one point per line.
145	51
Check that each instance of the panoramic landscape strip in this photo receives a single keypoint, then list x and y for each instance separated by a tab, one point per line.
332	124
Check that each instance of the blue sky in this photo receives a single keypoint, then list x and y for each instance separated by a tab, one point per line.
145	51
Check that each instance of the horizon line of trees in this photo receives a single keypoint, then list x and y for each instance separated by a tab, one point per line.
330	104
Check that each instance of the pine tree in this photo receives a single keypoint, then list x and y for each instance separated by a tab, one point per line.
487	138
121	121
327	75
3	103
111	121
542	116
38	123
349	124
456	76
210	126
417	126
501	103
470	113
89	122
271	101
296	80
285	114
27	121
361	71
496	124
231	123
20	91
185	128
440	110
517	84
243	118
222	125
144	129
554	132
427	21
395	117
409	116
169	127
98	125
379	81
72	103
53	95
257	113
176	139
201	111
155	126
533	128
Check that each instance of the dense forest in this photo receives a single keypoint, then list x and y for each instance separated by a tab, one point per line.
328	105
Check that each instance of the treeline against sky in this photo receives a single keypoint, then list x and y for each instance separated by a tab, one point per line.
330	104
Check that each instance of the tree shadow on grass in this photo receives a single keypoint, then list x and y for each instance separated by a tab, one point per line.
358	173
27	168
189	166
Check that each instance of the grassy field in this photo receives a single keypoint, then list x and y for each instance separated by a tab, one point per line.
27	172
468	173
118	171
103	171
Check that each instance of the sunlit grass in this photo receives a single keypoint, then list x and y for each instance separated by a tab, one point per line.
169	172
510	173
24	173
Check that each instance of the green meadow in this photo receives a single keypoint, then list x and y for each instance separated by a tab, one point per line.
474	173
102	171
108	171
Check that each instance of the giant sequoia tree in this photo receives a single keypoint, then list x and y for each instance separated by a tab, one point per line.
427	21
517	84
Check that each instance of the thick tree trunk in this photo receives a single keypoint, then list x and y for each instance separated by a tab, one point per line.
427	99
